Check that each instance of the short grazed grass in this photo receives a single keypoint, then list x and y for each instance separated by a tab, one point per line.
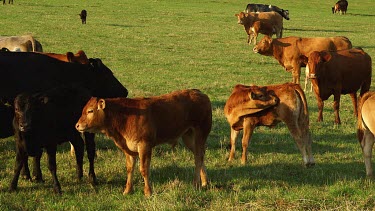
155	47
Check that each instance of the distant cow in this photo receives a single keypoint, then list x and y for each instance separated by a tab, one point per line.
288	50
79	57
337	73
46	119
137	125
366	128
251	106
267	8
340	7
83	16
24	43
266	23
10	1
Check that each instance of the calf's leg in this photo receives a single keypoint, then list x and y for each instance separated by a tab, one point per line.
144	166
37	172
233	137
248	129
51	151
130	164
367	145
21	158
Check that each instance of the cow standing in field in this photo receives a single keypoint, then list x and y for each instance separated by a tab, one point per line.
83	16
137	125
79	57
366	128
24	43
34	72
288	50
267	23
340	7
267	8
251	106
337	73
10	1
46	119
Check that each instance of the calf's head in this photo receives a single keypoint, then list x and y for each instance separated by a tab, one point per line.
242	18
92	118
264	47
27	113
315	62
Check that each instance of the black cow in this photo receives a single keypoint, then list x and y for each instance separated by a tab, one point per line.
46	119
32	72
83	16
267	8
10	1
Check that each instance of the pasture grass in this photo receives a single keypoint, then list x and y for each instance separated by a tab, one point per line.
155	47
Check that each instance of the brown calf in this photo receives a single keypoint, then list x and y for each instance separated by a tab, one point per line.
137	125
291	108
79	57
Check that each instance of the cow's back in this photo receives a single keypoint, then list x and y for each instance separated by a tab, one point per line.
310	44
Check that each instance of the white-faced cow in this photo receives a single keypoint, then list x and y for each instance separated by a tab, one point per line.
24	43
46	119
366	128
267	8
288	50
137	125
251	106
337	73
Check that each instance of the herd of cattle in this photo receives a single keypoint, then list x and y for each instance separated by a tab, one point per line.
75	97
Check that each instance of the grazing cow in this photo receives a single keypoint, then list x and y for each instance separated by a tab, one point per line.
366	128
24	43
83	16
267	8
46	119
252	106
340	7
269	20
79	57
337	73
10	1
137	125
288	50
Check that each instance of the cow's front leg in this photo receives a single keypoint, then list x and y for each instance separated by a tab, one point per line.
233	138
91	148
367	145
51	151
37	172
296	72
336	107
77	143
144	167
130	164
319	101
248	129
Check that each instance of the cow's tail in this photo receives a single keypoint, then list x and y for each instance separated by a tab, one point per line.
33	44
360	126
302	97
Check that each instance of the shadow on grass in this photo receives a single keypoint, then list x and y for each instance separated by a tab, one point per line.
318	30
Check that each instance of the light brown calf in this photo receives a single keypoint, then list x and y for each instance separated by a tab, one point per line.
137	125
291	108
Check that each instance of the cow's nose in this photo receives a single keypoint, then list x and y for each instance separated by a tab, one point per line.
77	126
255	49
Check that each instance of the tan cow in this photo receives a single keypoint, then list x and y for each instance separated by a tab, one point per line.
288	50
290	109
270	23
337	73
24	43
79	57
137	125
366	128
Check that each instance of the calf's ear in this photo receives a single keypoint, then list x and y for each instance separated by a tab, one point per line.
326	56
304	59
101	104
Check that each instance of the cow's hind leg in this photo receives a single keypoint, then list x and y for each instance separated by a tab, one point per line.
233	138
367	145
354	101
51	151
195	141
90	148
336	107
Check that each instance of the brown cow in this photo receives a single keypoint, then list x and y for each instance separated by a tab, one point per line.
137	125
287	50
340	7
269	20
291	109
79	57
366	128
337	73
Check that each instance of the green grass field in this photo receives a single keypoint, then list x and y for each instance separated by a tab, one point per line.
155	47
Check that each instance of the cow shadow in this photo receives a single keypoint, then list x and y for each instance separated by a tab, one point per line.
318	30
125	26
365	15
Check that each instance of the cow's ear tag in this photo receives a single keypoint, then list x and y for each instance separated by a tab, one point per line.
44	100
101	104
